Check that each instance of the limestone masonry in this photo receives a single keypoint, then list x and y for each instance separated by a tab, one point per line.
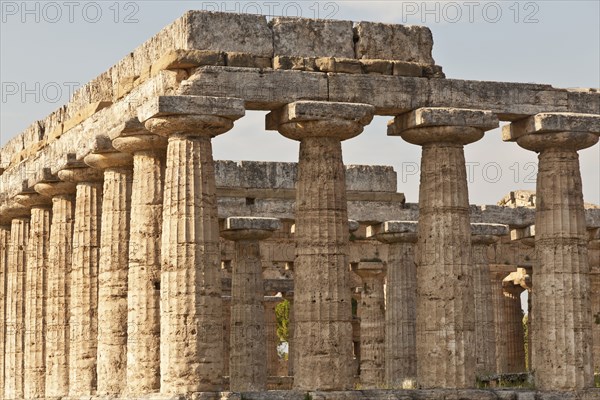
134	266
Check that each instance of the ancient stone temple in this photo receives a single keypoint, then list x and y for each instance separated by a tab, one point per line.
134	265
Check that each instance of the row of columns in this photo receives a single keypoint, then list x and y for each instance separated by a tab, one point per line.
182	294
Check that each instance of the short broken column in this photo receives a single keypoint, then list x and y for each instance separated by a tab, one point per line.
561	302
15	300
513	286
401	298
84	279
34	354
191	304
372	325
482	236
113	269
322	299
248	353
445	310
58	285
143	301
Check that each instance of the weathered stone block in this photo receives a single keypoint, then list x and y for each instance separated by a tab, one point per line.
312	37
439	116
251	223
244	33
489	229
394	42
551	122
228	107
371	178
316	110
235	59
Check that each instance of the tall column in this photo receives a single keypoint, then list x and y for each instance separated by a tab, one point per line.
248	353
594	244
4	244
272	340
372	325
83	318
289	296
482	236
58	285
191	304
561	302
401	298
15	301
111	364
445	309
322	305
145	230
34	354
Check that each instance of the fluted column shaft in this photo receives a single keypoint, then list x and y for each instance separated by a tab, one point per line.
4	245
562	287
445	309
143	298
485	328
113	270
35	303
272	340
58	286
400	314
15	309
372	326
84	280
514	333
322	298
561	301
595	296
248	351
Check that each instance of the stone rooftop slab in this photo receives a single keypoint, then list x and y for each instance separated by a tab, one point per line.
442	116
551	122
303	110
161	106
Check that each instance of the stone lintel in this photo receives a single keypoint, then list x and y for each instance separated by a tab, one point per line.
489	229
369	267
304	110
161	106
251	223
392	227
527	232
442	116
551	123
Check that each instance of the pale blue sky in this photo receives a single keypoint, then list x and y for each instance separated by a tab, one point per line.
559	45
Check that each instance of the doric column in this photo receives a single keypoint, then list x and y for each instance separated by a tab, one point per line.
563	315
4	244
58	285
271	338
289	296
445	309
113	269
322	305
513	285
401	298
482	236
372	325
34	355
248	353
594	244
84	279
145	230
15	300
191	304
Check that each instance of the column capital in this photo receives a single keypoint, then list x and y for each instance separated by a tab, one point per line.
394	232
33	200
486	234
190	115
81	175
369	269
12	210
249	228
568	131
140	142
442	125
51	189
108	160
303	119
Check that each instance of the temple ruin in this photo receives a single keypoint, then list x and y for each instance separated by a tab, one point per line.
133	265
